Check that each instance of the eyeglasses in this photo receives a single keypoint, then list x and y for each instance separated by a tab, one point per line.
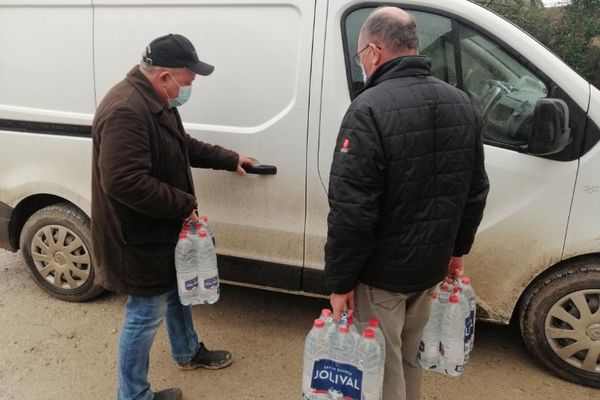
356	57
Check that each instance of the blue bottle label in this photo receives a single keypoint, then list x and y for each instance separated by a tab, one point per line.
469	326
210	283
191	284
330	377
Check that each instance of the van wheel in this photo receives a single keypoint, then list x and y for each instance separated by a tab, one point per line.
560	322
56	244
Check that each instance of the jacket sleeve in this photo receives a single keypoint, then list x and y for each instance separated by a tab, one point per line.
476	198
356	185
204	155
125	163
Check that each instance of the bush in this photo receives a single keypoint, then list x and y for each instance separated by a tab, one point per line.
571	31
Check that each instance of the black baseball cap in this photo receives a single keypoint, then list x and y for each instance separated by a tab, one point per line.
175	51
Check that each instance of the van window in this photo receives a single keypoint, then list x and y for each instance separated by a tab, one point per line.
500	86
503	89
435	40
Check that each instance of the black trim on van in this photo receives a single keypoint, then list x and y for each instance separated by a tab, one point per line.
313	281
273	275
592	136
261	273
5	216
46	128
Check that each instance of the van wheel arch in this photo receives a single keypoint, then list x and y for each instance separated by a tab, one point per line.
26	208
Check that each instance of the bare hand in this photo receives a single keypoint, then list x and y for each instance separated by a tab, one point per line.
342	303
193	217
243	161
456	267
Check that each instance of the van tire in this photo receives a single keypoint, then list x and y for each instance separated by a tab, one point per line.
56	243
571	293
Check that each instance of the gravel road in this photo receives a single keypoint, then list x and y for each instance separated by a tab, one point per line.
50	349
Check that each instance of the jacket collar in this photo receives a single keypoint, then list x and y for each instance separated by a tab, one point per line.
139	81
399	67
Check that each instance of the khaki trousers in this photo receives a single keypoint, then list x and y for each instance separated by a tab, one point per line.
402	319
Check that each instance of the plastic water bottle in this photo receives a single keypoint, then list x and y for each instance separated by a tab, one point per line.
206	226
353	329
380	339
453	335
443	290
330	325
208	274
316	346
344	346
429	349
186	257
369	358
469	295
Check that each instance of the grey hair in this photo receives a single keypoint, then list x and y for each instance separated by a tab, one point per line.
149	68
392	32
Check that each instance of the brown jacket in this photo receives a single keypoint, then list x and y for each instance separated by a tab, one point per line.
142	187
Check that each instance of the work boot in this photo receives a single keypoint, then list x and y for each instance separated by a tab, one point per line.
205	358
169	394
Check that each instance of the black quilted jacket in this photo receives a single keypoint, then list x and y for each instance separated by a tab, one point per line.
408	184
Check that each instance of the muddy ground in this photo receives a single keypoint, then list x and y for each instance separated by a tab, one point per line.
50	349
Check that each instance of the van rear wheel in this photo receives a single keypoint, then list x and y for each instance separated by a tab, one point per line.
560	322
56	244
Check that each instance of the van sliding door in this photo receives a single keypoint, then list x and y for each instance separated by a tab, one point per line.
256	103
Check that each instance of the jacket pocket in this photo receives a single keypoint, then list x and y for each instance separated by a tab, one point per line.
385	299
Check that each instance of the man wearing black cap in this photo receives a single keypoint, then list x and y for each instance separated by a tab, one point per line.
142	190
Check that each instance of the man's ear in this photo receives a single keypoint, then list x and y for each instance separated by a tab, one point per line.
162	76
376	54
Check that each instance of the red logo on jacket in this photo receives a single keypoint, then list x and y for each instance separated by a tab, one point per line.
345	145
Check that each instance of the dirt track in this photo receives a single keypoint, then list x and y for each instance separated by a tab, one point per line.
50	349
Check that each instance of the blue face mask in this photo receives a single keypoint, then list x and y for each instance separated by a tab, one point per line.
184	94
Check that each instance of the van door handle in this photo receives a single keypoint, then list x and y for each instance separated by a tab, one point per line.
260	169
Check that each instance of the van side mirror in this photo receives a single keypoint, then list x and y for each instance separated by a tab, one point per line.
551	132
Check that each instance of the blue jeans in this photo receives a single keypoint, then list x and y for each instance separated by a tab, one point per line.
143	316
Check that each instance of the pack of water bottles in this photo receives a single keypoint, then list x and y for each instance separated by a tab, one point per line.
447	340
341	363
196	264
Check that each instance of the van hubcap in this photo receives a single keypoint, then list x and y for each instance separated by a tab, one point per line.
572	329
594	332
61	257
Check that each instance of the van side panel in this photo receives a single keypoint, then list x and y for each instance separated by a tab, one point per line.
523	229
46	72
45	164
256	103
583	234
46	101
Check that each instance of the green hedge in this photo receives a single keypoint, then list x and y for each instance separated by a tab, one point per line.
571	31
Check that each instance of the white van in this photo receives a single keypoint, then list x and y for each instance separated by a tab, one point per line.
283	81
